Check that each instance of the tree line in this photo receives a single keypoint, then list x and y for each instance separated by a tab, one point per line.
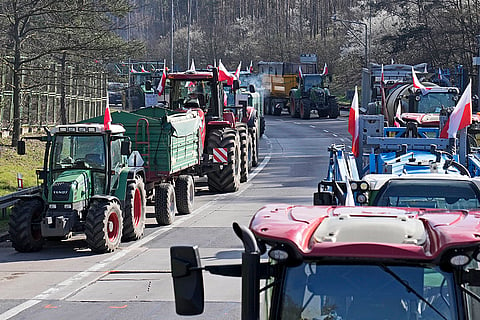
88	35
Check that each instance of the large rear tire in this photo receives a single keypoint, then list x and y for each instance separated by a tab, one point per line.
227	178
254	136
103	226
184	194
164	204
244	152
25	225
293	108
304	109
135	210
333	108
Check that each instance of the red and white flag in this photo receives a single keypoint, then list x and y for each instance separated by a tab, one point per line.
417	84
250	68
300	73
237	72
224	74
107	118
163	80
353	124
398	114
142	69
192	66
461	116
325	70
132	69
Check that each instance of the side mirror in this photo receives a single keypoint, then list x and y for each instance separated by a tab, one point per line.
126	148
148	85
21	147
251	88
187	280
235	85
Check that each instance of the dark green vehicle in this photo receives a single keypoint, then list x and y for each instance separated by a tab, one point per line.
87	186
312	93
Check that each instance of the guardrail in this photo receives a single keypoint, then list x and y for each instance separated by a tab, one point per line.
10	199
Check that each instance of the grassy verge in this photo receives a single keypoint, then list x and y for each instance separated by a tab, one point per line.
12	164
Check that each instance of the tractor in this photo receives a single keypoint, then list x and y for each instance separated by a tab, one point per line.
88	185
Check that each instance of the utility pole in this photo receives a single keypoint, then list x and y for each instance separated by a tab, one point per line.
171	40
189	9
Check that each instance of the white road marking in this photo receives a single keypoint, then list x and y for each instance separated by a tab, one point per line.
124	251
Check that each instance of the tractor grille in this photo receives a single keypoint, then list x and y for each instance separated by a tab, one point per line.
60	191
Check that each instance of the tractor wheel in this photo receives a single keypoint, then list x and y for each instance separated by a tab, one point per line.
244	152
254	136
24	225
184	194
135	210
277	109
103	226
267	106
333	108
262	126
304	109
226	178
164	204
293	108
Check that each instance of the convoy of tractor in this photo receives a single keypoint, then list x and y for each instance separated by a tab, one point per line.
392	233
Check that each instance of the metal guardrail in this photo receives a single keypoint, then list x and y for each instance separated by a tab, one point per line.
10	199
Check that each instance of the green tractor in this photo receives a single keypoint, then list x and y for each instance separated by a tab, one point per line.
89	185
312	93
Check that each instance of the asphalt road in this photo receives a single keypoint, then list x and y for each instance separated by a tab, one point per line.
66	281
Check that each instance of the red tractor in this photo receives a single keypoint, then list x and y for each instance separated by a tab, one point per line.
227	142
341	263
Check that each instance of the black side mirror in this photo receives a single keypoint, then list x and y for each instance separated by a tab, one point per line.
126	148
235	85
21	147
251	88
187	280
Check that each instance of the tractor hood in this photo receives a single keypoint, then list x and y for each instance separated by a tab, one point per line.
423	119
70	186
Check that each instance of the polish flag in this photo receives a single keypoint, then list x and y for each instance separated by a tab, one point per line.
143	69
163	80
223	73
325	70
353	124
107	118
398	114
300	73
250	68
132	70
237	72
461	116
417	84
192	66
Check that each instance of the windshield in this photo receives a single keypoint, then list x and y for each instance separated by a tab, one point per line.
424	193
367	292
74	149
435	101
187	93
310	82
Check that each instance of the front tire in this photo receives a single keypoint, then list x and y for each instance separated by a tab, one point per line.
244	152
164	204
304	109
184	194
227	178
135	210
254	137
25	225
334	110
103	226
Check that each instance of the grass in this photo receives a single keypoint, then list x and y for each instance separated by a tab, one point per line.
12	164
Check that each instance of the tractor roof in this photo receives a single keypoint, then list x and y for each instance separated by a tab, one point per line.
89	128
191	75
377	180
366	232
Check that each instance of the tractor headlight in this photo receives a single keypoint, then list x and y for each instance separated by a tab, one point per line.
52	206
460	260
362	198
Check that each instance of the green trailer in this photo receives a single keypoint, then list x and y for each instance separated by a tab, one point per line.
167	144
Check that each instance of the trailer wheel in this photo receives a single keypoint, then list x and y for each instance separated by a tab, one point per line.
135	210
103	226
25	225
254	136
184	194
304	109
164	204
333	109
226	178
245	156
293	108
